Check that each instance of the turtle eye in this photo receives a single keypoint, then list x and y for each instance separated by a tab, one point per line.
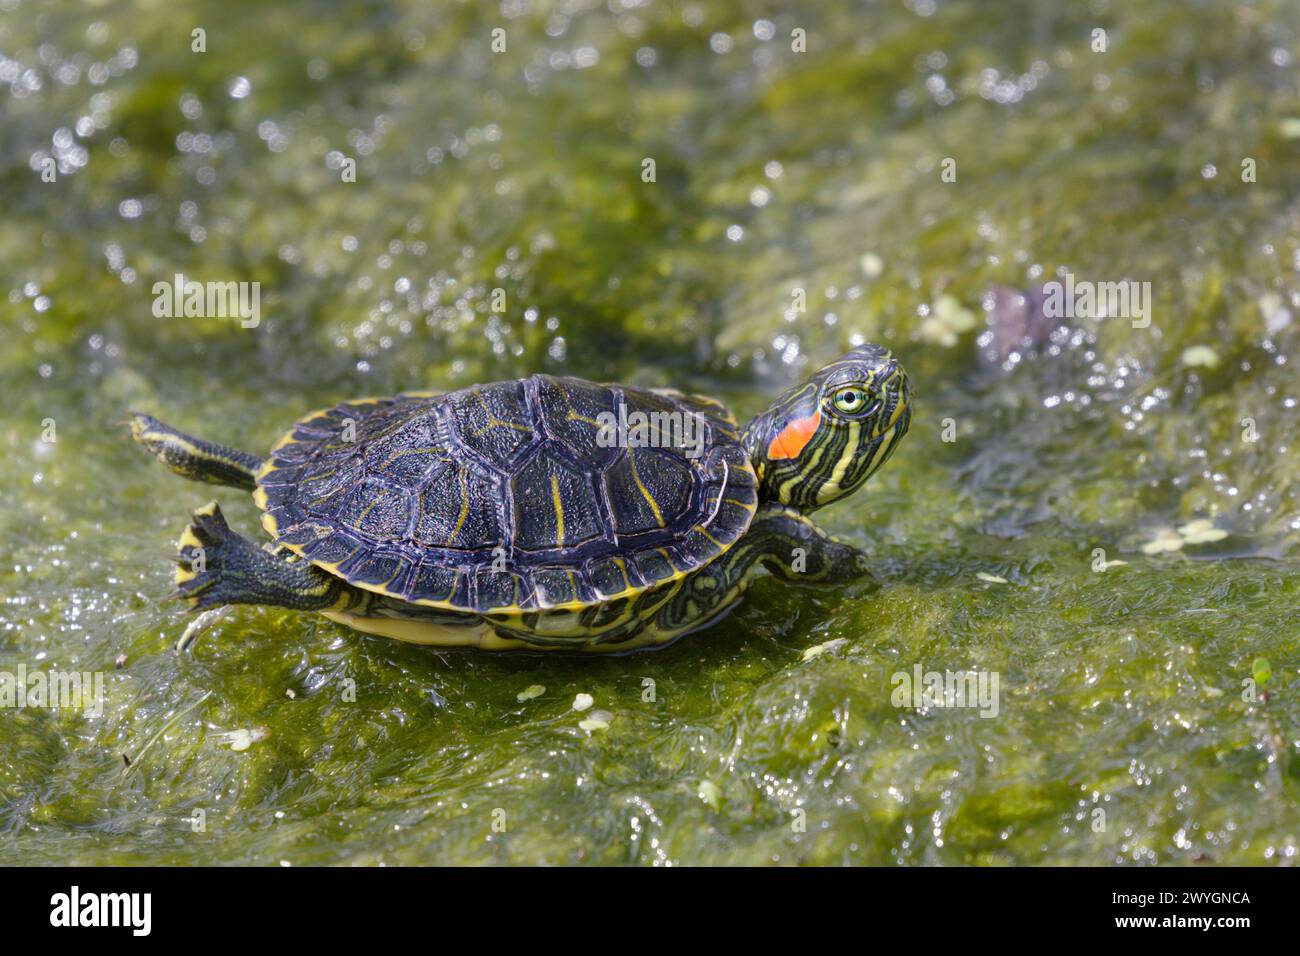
852	400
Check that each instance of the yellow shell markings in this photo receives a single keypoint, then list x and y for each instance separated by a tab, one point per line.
493	421
677	573
269	466
482	636
464	507
721	411
575	417
356	525
424	450
702	530
480	432
288	437
570	624
422	632
622	567
645	493
271	526
559	511
321	476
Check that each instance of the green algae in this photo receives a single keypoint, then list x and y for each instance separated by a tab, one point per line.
1127	730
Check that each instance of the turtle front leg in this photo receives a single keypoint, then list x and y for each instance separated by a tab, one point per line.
794	549
192	457
216	566
785	542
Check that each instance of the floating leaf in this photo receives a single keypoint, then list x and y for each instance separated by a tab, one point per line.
710	794
949	310
872	265
1166	539
599	720
583	702
818	649
1200	356
1201	531
948	319
242	739
529	692
1276	315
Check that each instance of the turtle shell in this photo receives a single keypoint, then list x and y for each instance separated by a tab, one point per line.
511	496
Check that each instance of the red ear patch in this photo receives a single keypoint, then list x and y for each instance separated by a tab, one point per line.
792	439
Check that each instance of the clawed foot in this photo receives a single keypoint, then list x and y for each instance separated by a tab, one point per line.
197	626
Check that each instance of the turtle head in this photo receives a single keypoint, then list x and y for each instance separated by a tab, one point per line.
822	439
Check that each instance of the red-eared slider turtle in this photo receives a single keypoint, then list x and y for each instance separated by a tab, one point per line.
540	513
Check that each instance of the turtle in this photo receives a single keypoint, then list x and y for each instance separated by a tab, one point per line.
543	513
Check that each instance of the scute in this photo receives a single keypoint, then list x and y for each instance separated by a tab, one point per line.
494	422
406	457
453	511
555	505
648	490
508	498
572	409
374	509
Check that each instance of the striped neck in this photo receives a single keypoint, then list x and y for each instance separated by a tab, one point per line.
824	438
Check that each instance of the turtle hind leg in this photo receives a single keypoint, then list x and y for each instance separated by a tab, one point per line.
192	457
217	566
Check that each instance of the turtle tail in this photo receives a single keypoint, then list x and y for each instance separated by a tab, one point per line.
192	457
217	566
